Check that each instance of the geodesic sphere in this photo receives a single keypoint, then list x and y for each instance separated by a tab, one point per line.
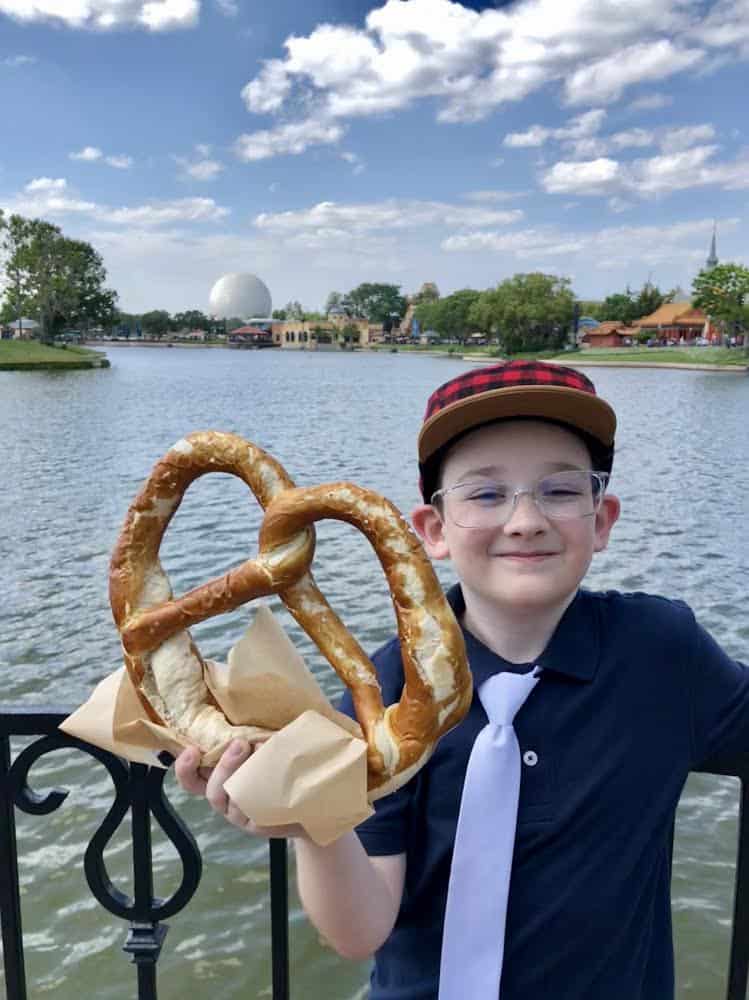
240	295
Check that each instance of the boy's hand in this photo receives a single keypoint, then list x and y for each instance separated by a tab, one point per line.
210	783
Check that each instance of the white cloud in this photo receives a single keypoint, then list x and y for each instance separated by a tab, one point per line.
392	214
472	62
579	128
88	153
120	162
494	195
688	169
51	197
92	154
534	135
204	168
579	138
104	15
685	137
45	196
632	137
355	161
676	170
291	139
47	184
160	213
14	62
651	102
726	25
618	205
583	177
268	90
605	80
523	244
612	246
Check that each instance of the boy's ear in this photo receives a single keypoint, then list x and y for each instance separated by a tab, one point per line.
430	529
606	518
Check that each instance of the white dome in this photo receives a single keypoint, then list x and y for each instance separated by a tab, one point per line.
240	295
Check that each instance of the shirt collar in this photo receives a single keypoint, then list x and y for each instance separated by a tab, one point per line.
574	649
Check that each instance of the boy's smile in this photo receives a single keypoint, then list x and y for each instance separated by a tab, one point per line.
533	562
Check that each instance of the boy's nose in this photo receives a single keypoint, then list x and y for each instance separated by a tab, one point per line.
526	515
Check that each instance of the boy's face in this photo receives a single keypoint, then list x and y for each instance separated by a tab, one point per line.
531	562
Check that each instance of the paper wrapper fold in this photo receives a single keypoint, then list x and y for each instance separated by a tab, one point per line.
312	766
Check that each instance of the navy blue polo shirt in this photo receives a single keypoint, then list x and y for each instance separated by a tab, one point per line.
634	694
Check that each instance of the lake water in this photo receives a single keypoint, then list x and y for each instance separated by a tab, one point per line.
74	450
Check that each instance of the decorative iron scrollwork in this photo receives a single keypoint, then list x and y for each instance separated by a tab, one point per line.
140	788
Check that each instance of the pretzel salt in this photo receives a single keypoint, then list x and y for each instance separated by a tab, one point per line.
166	666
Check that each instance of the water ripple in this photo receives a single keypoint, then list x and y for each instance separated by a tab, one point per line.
680	471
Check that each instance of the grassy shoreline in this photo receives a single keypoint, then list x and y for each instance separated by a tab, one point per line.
699	358
30	355
20	355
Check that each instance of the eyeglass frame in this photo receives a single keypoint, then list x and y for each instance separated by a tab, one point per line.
602	477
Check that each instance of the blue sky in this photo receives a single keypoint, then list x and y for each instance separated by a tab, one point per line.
330	142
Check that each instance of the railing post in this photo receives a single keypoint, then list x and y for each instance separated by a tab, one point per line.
145	936
10	897
279	918
738	969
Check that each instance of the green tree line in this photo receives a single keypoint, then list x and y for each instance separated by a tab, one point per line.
46	276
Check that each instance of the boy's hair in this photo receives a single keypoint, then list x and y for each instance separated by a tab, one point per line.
514	390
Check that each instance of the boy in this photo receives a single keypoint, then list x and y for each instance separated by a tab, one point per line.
628	694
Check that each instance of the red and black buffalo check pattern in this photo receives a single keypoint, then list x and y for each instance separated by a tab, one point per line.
511	373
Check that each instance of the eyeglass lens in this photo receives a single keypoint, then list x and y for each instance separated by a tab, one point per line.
561	496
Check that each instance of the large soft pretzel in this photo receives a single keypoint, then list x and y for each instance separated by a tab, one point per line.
166	666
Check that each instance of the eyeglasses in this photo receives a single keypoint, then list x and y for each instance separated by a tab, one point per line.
562	496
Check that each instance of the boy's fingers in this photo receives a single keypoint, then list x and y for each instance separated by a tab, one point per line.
236	754
187	773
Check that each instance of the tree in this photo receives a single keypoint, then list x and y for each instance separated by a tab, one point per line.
723	293
528	312
449	316
191	319
649	299
279	314
427	293
57	280
333	301
626	307
377	302
294	310
91	303
156	323
620	306
14	233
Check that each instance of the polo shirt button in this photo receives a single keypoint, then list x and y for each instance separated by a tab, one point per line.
530	757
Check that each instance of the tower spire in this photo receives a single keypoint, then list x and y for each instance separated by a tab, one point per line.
712	260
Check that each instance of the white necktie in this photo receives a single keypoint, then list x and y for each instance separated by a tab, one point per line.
474	931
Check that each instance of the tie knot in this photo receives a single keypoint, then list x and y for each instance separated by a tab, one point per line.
503	695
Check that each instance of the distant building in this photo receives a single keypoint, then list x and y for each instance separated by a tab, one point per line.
250	336
337	332
21	328
712	260
679	322
610	333
240	294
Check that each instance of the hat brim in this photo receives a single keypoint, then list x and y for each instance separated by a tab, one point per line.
578	409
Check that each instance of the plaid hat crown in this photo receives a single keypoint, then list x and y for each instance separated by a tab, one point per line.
511	390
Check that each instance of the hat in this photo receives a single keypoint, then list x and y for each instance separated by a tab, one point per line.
514	389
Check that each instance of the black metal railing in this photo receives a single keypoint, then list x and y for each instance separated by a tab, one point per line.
139	790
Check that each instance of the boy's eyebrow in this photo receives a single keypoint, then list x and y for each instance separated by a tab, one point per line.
496	470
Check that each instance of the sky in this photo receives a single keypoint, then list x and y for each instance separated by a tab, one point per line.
325	143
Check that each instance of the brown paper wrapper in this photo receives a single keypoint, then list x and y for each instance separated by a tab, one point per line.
312	766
